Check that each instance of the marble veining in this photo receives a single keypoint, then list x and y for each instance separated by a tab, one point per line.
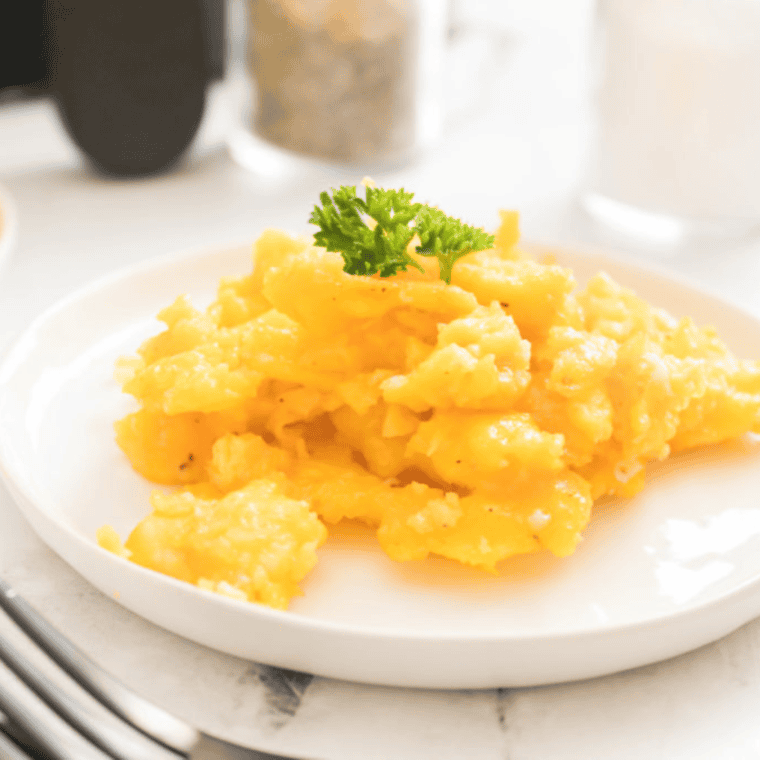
283	692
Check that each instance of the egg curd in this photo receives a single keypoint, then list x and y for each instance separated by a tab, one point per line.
476	420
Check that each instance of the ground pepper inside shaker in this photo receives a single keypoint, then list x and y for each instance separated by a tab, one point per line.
335	79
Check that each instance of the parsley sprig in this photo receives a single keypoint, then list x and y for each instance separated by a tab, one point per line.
380	246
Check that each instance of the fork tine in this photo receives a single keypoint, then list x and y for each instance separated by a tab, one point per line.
9	750
115	737
55	737
146	717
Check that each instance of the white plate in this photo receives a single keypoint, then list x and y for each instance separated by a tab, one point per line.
672	569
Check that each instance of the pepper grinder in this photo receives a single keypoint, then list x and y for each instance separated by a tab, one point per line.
129	78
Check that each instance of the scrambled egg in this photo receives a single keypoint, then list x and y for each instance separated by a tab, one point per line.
475	420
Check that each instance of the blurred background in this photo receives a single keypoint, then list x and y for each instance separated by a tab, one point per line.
646	104
514	76
92	57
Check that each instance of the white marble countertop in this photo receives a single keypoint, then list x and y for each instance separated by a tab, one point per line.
523	147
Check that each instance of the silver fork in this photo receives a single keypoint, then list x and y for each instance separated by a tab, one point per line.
116	724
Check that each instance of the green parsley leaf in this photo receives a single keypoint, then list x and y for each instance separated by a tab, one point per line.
447	238
380	246
366	251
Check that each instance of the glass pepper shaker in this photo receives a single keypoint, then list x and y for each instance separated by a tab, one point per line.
354	82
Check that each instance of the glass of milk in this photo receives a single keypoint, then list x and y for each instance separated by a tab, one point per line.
676	150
